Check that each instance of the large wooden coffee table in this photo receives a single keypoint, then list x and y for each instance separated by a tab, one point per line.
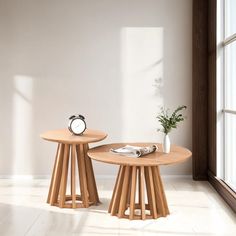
141	174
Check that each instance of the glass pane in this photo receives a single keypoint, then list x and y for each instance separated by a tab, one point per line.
230	76
230	150
230	17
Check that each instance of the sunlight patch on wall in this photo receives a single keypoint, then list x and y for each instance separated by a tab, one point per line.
22	124
142	78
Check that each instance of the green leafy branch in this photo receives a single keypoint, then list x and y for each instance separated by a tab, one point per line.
169	122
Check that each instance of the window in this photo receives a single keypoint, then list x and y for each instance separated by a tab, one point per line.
226	133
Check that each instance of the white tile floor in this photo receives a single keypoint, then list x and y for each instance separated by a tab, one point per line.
195	207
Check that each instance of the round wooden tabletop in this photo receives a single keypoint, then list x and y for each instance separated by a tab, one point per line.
102	153
65	136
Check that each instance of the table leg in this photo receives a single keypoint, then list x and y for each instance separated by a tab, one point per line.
73	187
114	205
133	192
160	193
126	182
92	188
83	177
64	176
56	177
153	207
113	194
141	190
79	169
57	191
124	193
53	173
148	188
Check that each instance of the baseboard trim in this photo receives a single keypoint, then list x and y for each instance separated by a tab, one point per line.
31	177
200	178
24	177
224	190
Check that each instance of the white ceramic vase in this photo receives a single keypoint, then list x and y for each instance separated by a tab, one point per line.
166	144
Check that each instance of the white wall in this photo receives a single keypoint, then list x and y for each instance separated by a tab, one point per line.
116	62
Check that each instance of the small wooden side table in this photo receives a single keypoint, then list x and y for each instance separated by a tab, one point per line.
142	174
72	148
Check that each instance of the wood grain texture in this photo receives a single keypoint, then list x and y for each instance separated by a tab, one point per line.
117	192
115	187
78	144
139	186
126	183
57	192
92	187
133	192
148	188
53	172
142	194
158	193
200	89
177	154
79	169
146	169
84	187
57	178
152	193
65	136
161	191
124	193
212	115
73	165
64	176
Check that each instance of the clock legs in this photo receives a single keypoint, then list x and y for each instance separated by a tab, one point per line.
75	155
146	181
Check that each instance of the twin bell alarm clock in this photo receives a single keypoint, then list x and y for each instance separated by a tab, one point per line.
77	124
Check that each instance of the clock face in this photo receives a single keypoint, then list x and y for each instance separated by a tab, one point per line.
78	126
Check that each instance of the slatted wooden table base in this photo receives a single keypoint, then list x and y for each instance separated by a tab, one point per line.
138	192
72	158
76	156
133	185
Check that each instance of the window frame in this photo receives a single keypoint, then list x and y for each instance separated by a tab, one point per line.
222	77
206	106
